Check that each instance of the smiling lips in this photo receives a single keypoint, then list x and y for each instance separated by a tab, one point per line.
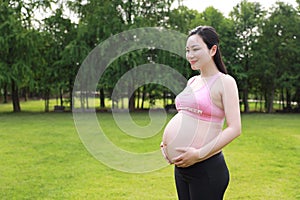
193	62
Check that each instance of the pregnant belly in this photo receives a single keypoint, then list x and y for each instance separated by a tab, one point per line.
186	131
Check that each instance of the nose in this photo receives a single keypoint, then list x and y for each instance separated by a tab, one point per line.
189	55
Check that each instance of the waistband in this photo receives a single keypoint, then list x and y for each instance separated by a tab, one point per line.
205	163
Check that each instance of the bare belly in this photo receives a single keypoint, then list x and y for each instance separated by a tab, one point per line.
186	131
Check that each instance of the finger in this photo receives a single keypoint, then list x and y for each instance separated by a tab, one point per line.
177	159
178	164
181	149
181	164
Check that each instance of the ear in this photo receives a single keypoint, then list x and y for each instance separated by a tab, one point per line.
213	50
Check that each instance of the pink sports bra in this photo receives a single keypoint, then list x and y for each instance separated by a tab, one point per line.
198	103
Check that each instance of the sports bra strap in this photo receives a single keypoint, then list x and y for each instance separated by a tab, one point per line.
191	80
209	83
213	79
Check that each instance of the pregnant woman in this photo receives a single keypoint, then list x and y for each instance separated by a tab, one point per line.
194	137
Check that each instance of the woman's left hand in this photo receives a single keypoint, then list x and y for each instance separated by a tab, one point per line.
188	157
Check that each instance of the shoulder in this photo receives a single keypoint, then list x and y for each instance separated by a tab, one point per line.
228	80
225	84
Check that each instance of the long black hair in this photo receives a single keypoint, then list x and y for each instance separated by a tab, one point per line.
210	38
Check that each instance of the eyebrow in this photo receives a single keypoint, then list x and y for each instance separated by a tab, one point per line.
195	45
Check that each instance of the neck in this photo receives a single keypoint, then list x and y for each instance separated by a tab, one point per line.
209	70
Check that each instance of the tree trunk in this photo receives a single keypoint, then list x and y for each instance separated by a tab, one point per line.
71	93
288	100
47	105
297	97
282	106
87	93
270	99
165	98
256	102
5	93
245	99
260	104
143	96
15	97
131	103
24	94
46	99
138	98
102	98
61	97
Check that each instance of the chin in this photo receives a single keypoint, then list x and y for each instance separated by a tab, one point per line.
195	68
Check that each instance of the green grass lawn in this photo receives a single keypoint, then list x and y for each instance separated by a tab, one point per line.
42	157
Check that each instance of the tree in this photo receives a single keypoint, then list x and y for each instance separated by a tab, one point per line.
60	78
279	50
246	16
142	13
18	46
15	62
98	21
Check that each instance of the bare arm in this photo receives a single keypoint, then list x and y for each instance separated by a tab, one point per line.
232	114
231	106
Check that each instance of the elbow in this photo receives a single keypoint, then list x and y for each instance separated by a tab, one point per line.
238	127
234	123
235	128
238	130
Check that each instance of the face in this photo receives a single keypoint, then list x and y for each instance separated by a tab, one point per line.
197	53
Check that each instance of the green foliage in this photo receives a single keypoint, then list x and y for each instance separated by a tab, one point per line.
247	17
182	19
41	58
277	66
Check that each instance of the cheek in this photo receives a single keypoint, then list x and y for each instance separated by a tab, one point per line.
200	53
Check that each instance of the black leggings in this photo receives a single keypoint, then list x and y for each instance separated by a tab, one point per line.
206	180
